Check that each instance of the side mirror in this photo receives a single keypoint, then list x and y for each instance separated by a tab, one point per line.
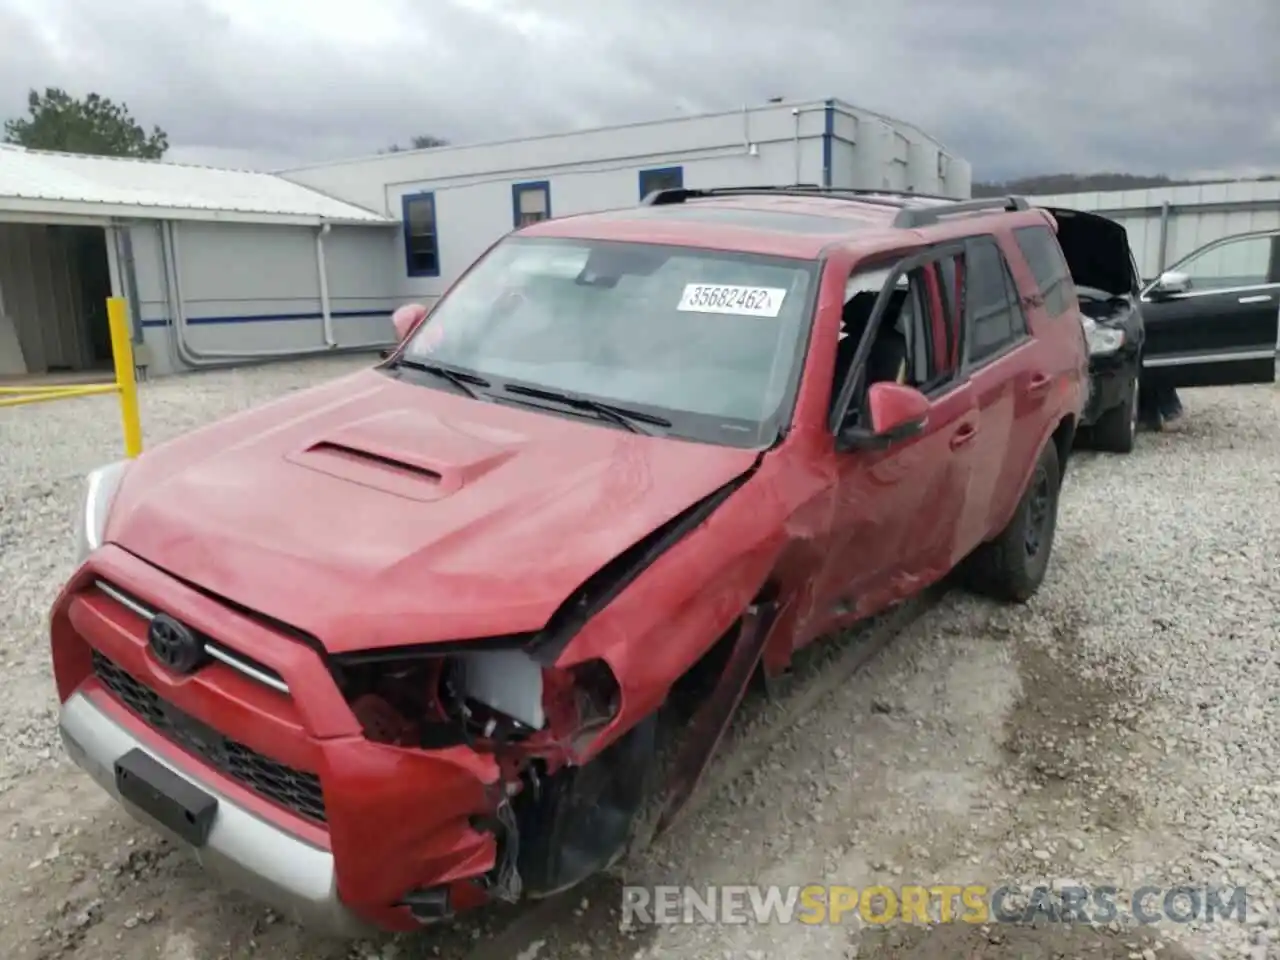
406	318
1171	283
894	412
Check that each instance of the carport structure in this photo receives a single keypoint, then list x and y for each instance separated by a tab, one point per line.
218	266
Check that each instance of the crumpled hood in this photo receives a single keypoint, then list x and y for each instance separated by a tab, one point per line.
1097	251
369	512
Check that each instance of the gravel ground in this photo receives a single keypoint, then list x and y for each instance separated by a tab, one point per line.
1121	729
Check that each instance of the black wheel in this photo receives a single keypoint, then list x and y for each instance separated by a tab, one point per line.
1150	415
1012	566
1117	429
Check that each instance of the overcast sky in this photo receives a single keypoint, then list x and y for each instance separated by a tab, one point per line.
1014	86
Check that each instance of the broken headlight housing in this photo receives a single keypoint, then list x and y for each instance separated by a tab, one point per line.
1102	341
490	695
101	486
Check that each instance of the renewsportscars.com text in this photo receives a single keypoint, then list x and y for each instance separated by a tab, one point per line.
936	903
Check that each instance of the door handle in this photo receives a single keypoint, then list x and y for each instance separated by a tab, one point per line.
1260	298
1040	382
963	435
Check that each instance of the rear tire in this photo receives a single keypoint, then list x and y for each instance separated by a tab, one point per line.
1117	430
1012	566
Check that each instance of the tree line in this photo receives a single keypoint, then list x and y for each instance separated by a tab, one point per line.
1056	183
98	126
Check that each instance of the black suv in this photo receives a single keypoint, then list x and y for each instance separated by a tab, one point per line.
1213	317
1096	266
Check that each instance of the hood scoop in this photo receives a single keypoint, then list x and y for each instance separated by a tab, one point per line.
416	456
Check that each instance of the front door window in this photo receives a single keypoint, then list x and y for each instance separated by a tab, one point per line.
1244	262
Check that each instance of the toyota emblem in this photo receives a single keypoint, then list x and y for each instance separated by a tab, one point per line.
174	645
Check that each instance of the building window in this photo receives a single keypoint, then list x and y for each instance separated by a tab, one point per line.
421	245
530	202
661	178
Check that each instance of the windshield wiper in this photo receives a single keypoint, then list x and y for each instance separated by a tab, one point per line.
464	381
623	416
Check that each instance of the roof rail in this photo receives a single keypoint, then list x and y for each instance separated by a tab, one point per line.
886	192
909	216
670	195
912	217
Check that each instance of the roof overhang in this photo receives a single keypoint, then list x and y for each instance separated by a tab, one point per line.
29	210
47	218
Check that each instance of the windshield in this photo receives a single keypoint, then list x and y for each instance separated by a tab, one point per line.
706	340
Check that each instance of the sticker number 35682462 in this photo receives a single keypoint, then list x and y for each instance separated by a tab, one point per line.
728	298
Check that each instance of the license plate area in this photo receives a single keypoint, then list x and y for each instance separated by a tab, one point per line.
173	801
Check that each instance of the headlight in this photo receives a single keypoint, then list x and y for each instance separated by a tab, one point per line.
91	520
1101	340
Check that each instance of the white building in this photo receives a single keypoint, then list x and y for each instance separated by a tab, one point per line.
226	266
455	201
218	265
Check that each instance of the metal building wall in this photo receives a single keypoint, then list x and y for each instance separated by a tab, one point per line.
1167	223
875	152
250	290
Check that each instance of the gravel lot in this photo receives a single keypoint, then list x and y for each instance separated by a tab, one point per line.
1122	729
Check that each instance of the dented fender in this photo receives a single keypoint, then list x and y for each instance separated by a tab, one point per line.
671	615
684	588
687	598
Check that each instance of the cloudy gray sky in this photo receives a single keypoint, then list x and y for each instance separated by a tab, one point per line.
1014	86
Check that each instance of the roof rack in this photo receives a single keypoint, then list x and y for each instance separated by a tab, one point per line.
908	216
912	217
860	192
660	198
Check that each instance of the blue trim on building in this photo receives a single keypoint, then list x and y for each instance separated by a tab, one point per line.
644	175
272	318
405	200
828	140
529	186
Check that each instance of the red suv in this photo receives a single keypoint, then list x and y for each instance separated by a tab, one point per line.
408	641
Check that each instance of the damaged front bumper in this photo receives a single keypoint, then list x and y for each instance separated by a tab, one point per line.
394	859
294	876
1110	380
336	832
1115	340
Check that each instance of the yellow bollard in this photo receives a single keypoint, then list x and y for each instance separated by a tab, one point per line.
126	381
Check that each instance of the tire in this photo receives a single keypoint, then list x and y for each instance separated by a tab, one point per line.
1012	566
1117	430
1148	409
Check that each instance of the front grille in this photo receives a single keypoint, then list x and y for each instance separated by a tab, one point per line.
231	658
293	789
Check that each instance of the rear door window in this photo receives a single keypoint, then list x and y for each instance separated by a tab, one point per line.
993	316
1044	256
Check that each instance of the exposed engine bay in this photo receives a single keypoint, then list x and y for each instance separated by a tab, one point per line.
1103	307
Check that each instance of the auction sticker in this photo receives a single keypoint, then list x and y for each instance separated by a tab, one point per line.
727	298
